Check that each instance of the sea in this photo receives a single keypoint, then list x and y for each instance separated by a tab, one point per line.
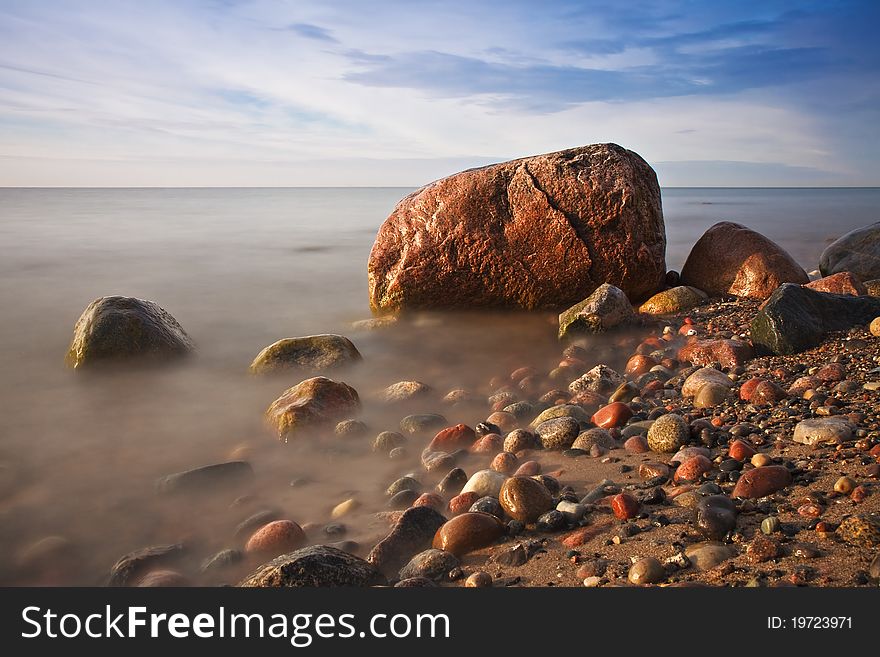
240	269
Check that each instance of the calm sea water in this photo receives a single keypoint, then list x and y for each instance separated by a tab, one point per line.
241	268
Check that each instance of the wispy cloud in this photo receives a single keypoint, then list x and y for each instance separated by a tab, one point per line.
786	86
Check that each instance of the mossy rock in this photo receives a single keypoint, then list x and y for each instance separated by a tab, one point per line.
120	328
674	300
313	353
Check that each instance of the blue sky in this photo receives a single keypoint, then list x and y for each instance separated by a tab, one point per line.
345	92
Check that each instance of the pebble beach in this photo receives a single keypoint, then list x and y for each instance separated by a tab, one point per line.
715	426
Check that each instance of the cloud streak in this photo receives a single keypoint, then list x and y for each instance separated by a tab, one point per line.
786	87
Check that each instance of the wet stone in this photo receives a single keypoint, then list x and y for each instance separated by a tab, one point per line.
488	505
135	565
452	482
552	521
433	564
646	571
715	516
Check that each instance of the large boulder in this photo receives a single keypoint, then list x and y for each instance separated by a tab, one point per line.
317	565
796	318
120	328
730	259
538	232
857	252
311	403
314	353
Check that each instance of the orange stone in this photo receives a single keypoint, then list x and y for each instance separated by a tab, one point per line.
450	439
468	532
624	506
692	469
740	450
614	414
274	538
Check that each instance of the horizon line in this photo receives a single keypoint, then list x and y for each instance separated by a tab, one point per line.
405	186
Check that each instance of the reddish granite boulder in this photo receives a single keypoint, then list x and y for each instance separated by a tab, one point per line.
730	259
313	402
729	353
538	232
840	283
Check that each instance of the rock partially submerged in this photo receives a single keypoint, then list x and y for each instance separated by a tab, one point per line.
857	252
606	308
129	570
411	534
730	259
119	328
796	318
312	403
313	353
317	565
229	474
539	232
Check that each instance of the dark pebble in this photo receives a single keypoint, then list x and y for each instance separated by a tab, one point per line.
552	521
489	505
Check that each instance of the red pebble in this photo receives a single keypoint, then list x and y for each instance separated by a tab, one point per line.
461	503
613	415
636	445
830	373
276	538
430	499
859	494
528	469
747	389
692	469
740	450
505	463
491	443
769	393
638	365
625	506
452	438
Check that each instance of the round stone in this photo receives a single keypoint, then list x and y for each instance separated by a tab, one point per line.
715	516
693	468
274	538
422	423
760	460
668	433
463	502
525	499
402	484
485	483
711	395
614	414
518	440
478	580
388	440
468	532
875	326
646	571
624	506
350	429
488	505
503	420
590	437
505	463
844	485
558	433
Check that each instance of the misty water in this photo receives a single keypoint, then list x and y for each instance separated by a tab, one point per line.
240	269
